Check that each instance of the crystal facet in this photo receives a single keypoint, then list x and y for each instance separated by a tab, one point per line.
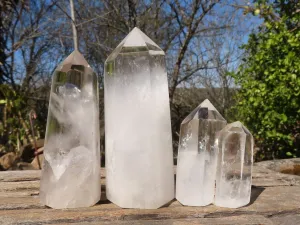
197	155
138	142
71	171
235	159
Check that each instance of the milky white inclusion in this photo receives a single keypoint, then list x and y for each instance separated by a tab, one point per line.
197	155
138	143
71	170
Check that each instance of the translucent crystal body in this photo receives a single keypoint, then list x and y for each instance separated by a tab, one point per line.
235	159
71	171
138	143
197	155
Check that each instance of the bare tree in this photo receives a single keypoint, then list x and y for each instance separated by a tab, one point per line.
195	34
192	33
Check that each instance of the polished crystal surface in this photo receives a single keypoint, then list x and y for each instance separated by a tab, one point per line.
138	142
235	159
197	155
71	170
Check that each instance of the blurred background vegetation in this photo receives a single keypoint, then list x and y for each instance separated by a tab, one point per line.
241	55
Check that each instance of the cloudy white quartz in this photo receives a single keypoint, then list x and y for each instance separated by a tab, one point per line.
139	158
234	170
71	170
197	155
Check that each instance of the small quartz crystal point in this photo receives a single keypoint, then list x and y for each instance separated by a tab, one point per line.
71	170
234	167
138	141
197	155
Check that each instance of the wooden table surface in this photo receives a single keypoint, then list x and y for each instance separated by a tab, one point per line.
275	200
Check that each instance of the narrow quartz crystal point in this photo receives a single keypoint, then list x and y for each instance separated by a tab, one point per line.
138	142
234	167
71	170
197	155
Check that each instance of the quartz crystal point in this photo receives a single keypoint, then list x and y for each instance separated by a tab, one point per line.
71	170
138	142
235	159
197	155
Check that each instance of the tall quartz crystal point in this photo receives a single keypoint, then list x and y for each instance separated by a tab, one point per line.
138	157
197	155
233	182
71	170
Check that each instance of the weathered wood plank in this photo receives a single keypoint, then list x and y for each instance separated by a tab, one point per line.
17	176
237	220
274	196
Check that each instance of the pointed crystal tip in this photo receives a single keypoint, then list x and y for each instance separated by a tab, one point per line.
136	41
237	126
207	104
75	58
205	110
136	38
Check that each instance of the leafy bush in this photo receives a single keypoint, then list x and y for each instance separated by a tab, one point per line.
269	98
14	120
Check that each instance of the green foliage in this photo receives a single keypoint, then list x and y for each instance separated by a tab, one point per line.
269	98
14	120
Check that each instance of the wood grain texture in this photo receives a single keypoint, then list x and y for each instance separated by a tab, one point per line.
275	200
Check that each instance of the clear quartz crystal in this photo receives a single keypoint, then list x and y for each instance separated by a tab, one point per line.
197	155
138	142
71	170
233	181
